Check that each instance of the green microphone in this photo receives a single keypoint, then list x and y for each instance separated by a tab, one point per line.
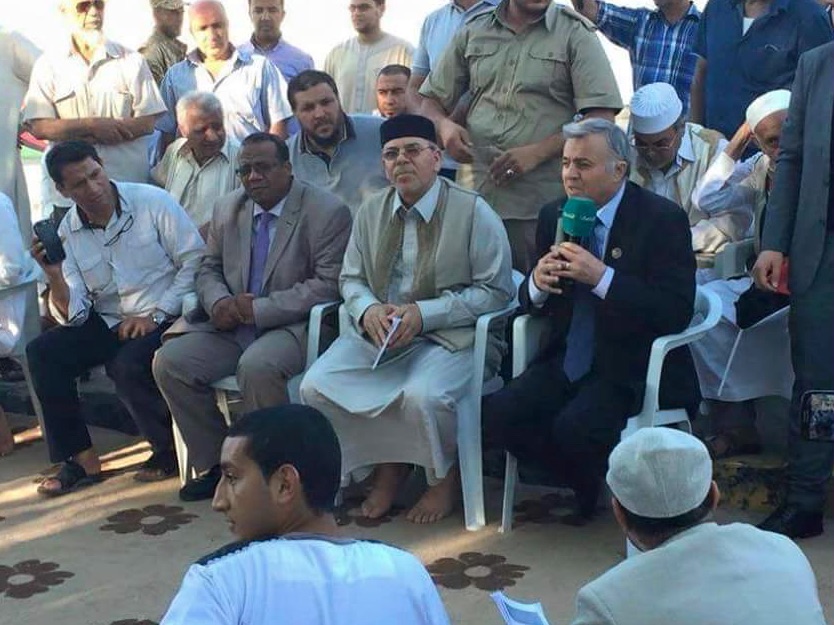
579	216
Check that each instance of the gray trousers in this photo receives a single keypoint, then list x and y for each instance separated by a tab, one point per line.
812	354
185	367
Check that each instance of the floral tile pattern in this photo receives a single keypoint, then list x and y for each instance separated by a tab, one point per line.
351	512
550	508
484	571
152	520
755	486
30	577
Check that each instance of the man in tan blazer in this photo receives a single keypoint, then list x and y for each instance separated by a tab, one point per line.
274	251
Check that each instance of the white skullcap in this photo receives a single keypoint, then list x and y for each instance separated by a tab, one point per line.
654	108
767	104
660	473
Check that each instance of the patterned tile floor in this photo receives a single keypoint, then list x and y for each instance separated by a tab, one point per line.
114	554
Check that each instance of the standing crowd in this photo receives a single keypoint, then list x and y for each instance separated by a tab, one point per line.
209	199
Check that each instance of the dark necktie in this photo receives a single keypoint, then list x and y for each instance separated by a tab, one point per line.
260	252
246	334
579	354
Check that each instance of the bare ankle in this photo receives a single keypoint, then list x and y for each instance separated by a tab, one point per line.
89	460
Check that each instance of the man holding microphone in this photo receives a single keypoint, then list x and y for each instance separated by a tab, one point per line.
633	280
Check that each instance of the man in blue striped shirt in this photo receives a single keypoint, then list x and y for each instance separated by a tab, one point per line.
659	42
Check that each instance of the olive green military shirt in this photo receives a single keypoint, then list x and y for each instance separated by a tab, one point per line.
161	52
524	88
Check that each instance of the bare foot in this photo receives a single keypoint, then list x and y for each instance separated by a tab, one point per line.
387	478
438	501
6	437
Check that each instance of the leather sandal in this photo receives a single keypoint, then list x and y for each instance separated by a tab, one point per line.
71	477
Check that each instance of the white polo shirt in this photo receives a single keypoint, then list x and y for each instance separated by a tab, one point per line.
304	579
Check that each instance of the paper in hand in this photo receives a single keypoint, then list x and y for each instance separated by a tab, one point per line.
517	613
395	323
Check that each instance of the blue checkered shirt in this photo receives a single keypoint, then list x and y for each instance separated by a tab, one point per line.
659	51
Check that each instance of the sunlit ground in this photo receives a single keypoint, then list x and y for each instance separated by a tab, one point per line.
120	547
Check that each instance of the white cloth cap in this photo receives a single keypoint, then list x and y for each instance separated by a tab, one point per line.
660	473
654	108
767	104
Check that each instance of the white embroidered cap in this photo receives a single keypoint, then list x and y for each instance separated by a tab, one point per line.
767	104
660	473
654	108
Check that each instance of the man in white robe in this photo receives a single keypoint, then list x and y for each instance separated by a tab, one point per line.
435	256
731	184
17	57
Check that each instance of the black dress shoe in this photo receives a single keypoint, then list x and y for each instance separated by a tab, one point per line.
587	498
793	522
202	487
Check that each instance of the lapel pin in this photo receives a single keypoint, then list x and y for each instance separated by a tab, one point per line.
616	253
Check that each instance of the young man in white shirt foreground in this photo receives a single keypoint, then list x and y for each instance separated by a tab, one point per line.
280	475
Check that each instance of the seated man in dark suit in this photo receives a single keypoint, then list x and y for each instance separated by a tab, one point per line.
634	283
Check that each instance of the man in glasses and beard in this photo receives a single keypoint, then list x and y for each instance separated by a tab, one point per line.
95	90
131	253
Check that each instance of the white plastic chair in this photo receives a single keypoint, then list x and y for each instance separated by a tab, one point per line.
769	338
731	261
469	412
227	386
529	336
31	329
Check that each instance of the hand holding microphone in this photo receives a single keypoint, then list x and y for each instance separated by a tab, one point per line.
576	224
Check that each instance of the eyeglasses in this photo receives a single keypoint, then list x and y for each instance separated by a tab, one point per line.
244	171
126	226
410	151
84	7
659	146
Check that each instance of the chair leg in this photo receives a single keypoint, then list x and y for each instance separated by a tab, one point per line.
471	464
631	550
184	466
510	480
36	404
223	404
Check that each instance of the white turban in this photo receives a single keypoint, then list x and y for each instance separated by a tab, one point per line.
660	473
767	104
654	108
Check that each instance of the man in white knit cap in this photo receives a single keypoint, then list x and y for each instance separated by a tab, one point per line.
671	157
664	494
731	183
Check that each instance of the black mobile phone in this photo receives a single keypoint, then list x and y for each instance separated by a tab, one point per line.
47	233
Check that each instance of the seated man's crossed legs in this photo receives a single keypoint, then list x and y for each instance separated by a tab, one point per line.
402	413
186	366
564	429
56	358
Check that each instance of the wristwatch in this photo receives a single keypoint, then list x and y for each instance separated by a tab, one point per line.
159	317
